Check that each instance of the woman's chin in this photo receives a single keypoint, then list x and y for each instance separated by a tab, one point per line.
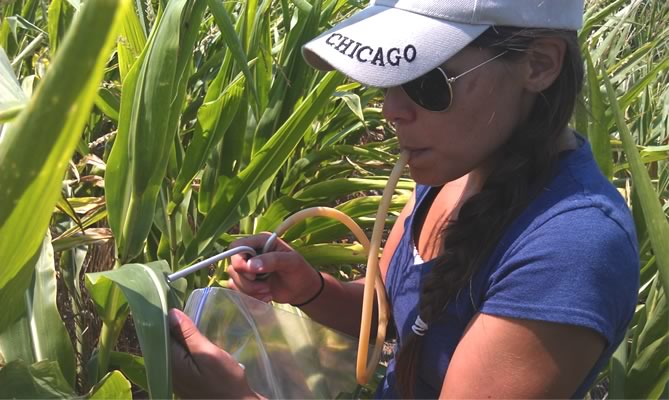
432	176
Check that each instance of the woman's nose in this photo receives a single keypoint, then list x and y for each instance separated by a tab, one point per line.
398	107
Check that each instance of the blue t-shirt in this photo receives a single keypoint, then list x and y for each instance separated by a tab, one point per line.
571	257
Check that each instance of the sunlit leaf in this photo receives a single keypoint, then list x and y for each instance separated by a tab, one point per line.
145	288
113	386
35	151
242	195
598	133
333	254
213	120
132	40
152	98
656	220
25	339
12	97
132	367
60	16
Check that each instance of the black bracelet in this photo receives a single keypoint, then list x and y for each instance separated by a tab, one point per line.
314	296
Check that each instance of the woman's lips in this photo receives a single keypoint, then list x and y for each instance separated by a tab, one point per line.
417	157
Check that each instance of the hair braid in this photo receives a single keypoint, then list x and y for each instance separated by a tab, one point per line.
526	163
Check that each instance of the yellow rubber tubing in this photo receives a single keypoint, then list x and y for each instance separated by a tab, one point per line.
373	279
363	374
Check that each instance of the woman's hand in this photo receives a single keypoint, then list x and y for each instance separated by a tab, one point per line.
200	369
291	279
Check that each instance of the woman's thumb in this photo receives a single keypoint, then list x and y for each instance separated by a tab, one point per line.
184	330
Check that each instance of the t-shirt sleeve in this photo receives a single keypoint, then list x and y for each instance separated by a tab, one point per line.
579	268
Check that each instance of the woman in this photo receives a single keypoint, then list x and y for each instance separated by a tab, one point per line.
513	270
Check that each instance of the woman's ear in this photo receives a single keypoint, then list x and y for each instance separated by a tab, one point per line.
544	61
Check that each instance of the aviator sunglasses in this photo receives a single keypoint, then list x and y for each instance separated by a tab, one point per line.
433	91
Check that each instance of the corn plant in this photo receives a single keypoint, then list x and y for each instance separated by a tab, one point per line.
140	137
625	114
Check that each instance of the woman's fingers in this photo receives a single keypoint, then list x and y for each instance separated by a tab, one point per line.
256	241
184	331
200	368
274	261
246	283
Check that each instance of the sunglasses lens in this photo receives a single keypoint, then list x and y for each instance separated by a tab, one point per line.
430	91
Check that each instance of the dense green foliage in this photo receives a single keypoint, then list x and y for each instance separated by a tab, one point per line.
168	128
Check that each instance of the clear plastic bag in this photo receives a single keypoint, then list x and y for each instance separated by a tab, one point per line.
284	355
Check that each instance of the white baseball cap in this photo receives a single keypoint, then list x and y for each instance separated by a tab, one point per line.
395	41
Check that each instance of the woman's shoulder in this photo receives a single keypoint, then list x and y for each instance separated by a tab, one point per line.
576	239
579	195
572	258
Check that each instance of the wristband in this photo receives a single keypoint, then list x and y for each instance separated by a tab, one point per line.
314	296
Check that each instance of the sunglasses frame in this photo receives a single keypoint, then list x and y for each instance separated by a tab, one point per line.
449	81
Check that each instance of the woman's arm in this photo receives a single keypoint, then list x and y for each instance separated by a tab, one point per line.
293	280
340	304
515	358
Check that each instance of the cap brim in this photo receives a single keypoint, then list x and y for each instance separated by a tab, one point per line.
385	47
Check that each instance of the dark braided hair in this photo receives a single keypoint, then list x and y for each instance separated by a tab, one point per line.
525	164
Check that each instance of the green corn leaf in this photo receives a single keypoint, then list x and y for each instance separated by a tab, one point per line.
352	101
213	120
65	207
649	374
319	194
242	195
12	296
26	338
113	311
117	175
593	20
8	9
333	254
230	161
98	214
42	380
598	133
631	94
617	372
131	42
224	161
315	160
225	24
622	69
35	151
303	5
89	237
108	102
289	87
113	386
150	108
263	68
362	210
132	366
656	220
653	324
12	98
100	290
43	316
60	17
648	371
145	288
